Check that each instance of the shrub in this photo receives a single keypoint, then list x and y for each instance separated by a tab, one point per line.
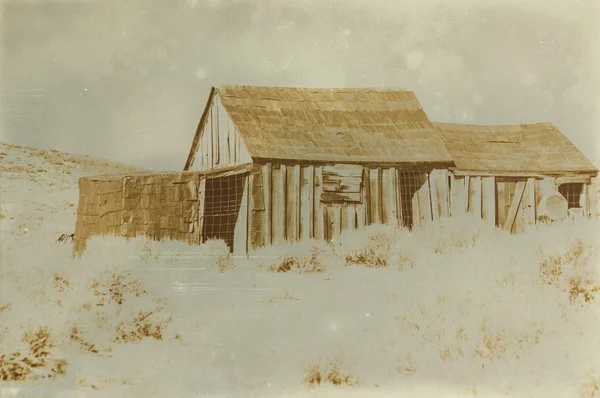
329	373
299	264
35	361
375	254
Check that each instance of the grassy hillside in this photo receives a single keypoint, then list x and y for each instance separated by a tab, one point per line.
454	310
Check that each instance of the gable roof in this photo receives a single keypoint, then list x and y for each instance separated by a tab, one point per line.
526	148
333	125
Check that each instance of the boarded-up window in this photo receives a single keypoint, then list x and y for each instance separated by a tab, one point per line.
342	183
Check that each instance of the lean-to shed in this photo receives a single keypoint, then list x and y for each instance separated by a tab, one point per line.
516	175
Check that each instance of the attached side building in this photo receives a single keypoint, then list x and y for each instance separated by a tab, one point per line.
512	175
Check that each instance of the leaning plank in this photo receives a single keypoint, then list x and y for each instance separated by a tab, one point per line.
201	200
240	244
257	209
488	200
424	198
514	206
435	215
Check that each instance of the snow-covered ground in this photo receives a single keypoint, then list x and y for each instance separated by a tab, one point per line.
453	311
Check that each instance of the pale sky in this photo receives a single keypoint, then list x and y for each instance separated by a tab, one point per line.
128	80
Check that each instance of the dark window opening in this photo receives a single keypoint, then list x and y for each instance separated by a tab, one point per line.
223	198
409	182
572	193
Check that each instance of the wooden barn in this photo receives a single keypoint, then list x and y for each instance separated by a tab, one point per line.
324	160
516	176
274	164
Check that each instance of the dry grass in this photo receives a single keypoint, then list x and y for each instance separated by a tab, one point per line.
141	327
76	336
552	265
587	288
561	268
590	386
375	254
37	362
286	296
331	373
225	263
115	287
299	264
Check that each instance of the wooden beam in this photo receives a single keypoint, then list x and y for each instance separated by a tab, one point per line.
529	204
579	176
297	200
593	199
374	196
457	195
389	188
488	200
268	192
307	203
367	196
319	215
398	193
199	130
467	183
279	204
514	206
438	182
435	215
502	203
475	196
351	217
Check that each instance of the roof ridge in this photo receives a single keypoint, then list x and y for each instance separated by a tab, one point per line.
339	89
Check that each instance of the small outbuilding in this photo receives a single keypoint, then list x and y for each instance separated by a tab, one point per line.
518	175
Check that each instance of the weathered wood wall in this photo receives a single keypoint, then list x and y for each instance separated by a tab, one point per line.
293	202
272	203
221	144
510	203
160	206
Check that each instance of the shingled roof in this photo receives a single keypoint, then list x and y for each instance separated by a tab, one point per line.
526	148
333	125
